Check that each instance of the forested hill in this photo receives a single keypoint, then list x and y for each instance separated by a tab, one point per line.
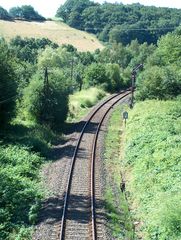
118	22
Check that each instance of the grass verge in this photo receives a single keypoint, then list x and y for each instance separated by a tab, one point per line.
120	223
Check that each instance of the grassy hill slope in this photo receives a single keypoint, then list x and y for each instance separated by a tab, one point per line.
58	32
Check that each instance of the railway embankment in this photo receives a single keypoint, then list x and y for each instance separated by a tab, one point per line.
149	159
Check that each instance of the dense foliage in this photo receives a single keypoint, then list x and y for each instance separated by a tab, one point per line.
153	158
27	49
46	102
25	12
162	76
118	22
18	188
7	84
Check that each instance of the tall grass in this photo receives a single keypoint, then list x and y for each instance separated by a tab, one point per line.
80	102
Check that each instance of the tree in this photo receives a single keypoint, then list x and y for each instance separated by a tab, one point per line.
27	49
159	83
55	58
7	84
47	101
26	12
113	74
16	12
4	14
161	78
95	74
118	22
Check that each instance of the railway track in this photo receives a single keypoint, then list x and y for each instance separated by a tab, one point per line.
82	192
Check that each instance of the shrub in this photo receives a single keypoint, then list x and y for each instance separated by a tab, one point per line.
95	75
159	83
18	186
46	103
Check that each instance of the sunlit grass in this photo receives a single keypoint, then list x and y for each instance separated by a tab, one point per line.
81	102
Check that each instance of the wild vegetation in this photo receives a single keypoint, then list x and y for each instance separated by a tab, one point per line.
118	22
120	221
162	76
153	161
81	102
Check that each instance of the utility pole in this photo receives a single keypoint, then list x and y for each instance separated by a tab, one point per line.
133	81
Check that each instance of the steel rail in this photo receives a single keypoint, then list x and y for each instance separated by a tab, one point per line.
93	158
73	162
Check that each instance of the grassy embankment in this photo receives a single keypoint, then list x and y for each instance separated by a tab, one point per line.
120	223
56	31
153	163
24	147
81	102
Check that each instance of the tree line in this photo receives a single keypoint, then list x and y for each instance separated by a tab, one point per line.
25	12
37	75
41	75
119	22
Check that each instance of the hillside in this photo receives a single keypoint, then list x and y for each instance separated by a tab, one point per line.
114	22
57	32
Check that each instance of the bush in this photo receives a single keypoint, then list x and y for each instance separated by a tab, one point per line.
46	103
159	83
113	74
18	186
95	75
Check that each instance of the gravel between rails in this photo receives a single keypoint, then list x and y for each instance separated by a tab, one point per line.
55	179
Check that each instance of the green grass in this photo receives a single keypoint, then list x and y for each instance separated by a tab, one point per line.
153	152
81	102
120	223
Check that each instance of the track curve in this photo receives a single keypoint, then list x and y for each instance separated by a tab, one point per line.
78	217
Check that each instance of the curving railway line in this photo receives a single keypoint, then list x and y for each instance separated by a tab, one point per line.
76	209
79	209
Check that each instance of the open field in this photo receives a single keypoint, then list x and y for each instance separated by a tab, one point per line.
57	32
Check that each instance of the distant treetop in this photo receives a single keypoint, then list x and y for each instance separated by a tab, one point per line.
25	12
4	14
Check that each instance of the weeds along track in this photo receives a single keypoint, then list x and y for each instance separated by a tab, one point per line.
80	219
